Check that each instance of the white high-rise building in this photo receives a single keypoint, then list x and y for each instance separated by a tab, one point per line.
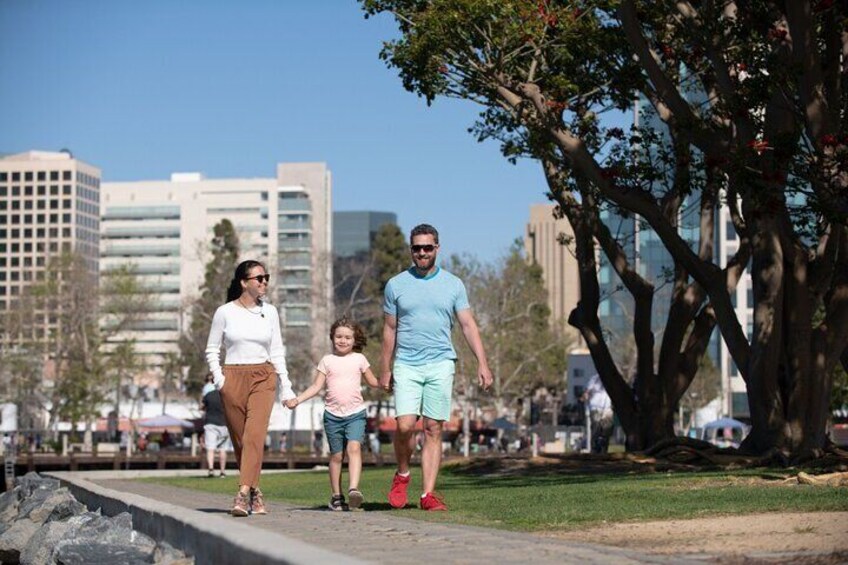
164	228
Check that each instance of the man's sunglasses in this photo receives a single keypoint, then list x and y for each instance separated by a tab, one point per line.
425	248
259	278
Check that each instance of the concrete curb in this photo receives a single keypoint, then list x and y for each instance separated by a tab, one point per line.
206	537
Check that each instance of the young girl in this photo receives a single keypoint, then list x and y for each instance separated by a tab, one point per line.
344	410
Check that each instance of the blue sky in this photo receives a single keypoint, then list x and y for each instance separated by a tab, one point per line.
144	89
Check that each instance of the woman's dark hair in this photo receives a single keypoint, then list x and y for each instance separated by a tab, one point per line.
359	339
241	273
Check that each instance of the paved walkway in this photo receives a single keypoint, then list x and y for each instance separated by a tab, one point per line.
385	538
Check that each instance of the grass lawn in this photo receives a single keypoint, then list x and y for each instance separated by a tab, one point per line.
550	500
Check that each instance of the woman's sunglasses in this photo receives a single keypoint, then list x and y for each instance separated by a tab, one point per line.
259	278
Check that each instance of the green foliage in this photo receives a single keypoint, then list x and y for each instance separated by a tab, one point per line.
224	251
839	394
361	280
83	321
509	301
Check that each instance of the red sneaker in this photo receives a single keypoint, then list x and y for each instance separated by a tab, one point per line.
433	502
397	495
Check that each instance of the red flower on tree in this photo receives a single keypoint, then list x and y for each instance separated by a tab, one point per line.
778	33
829	140
759	145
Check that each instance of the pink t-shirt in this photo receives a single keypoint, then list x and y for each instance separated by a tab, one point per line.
344	383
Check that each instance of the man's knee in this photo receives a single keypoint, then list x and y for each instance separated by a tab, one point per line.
354	448
433	429
405	427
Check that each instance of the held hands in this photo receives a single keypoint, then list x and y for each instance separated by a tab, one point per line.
291	403
386	381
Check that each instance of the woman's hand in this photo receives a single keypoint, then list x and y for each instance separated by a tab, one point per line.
291	403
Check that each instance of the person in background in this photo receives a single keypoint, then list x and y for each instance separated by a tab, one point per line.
215	433
600	414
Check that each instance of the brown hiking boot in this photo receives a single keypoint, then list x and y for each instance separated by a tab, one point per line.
257	502
241	505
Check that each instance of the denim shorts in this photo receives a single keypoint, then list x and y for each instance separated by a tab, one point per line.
342	429
424	390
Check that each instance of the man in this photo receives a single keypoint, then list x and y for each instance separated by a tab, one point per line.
600	414
215	433
418	359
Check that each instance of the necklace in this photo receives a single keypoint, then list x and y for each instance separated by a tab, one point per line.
260	313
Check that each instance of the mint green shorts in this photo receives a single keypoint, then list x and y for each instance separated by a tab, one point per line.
424	390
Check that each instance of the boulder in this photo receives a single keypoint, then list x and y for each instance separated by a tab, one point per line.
10	501
40	506
98	553
15	539
40	548
105	540
32	481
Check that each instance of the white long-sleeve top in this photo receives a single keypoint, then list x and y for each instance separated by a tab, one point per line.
248	339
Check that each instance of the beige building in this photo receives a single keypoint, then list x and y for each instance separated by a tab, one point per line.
559	265
164	227
49	204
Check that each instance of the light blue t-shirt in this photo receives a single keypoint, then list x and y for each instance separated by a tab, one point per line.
424	308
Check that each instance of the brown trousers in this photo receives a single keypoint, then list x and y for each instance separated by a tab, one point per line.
248	397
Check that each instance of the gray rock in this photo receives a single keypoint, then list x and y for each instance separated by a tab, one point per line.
15	539
66	509
114	537
40	506
40	548
166	554
98	553
9	503
32	481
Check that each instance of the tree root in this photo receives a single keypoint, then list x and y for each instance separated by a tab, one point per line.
829	479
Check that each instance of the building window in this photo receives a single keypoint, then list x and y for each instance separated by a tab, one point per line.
28	175
66	175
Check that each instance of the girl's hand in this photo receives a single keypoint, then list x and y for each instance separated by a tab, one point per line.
291	404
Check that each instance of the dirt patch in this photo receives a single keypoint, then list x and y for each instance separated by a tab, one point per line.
824	533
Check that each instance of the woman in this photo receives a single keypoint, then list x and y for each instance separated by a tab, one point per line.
253	378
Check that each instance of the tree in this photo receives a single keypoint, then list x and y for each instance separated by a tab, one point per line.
63	322
361	280
749	98
525	351
224	249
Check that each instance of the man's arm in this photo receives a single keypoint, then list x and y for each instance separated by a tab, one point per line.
389	338
472	337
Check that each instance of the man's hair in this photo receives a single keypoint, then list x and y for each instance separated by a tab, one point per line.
424	229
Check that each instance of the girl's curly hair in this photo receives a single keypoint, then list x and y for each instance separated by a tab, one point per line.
359	339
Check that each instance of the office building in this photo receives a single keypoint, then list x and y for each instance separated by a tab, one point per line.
164	227
354	232
49	205
559	264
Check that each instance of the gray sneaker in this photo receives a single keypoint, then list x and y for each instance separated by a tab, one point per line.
355	498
